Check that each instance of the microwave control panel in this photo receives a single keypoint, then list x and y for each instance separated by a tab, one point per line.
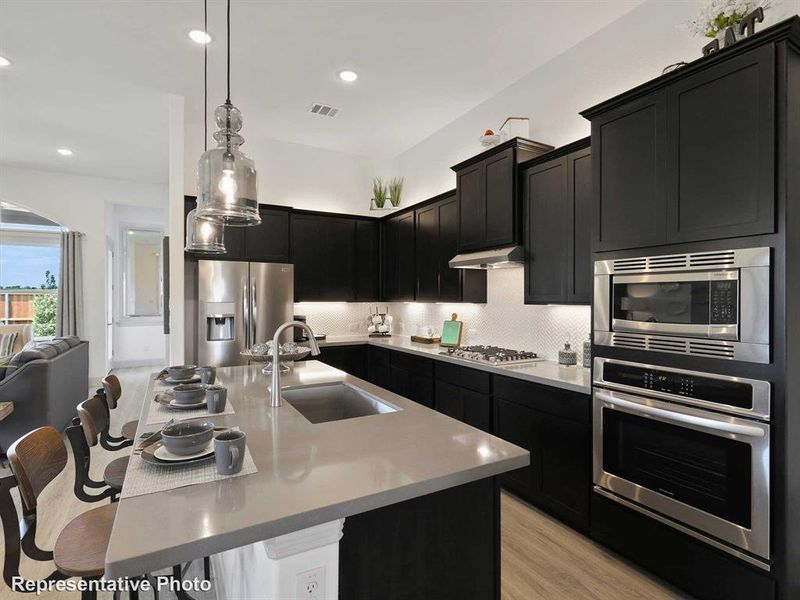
724	302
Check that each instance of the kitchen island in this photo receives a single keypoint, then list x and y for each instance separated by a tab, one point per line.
416	488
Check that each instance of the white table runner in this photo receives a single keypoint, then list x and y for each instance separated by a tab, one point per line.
144	478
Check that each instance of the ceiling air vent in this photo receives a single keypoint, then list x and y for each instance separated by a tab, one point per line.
324	110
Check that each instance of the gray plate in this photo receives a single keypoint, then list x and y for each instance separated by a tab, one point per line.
148	456
166	400
169	381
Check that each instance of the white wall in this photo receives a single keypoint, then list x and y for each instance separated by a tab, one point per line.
298	175
81	204
624	54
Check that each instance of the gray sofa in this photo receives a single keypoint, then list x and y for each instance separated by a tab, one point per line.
45	381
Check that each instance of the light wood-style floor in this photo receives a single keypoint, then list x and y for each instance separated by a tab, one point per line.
542	559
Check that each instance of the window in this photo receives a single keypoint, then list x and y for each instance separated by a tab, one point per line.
30	254
142	281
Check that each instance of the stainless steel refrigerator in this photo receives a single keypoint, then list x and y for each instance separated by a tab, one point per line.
240	304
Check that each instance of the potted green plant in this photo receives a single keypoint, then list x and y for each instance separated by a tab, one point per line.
718	15
379	194
395	191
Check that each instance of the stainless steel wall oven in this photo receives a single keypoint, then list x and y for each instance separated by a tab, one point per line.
713	304
687	448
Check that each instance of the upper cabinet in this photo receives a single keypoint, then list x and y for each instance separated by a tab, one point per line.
689	156
266	242
436	244
398	271
487	195
367	260
324	255
556	208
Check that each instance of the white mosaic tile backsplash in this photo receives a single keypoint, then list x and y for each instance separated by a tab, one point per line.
503	321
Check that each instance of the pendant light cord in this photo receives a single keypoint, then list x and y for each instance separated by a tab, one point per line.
228	100
205	78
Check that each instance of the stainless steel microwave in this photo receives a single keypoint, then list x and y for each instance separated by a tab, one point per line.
713	304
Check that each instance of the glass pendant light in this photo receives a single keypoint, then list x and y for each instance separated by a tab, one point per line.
204	237
226	177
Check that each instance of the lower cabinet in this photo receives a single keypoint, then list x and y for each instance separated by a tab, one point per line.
412	377
555	426
350	359
379	370
464	394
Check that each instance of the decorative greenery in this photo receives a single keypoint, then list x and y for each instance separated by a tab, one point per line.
379	192
44	315
395	191
718	15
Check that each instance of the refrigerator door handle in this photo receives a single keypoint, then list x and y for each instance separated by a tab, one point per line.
254	308
246	312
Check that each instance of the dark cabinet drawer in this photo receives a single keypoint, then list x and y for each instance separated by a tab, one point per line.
545	399
472	379
417	365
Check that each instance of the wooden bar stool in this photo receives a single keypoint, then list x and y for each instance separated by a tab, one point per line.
83	462
94	419
80	549
112	389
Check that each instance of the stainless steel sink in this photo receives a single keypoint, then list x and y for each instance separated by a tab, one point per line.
334	402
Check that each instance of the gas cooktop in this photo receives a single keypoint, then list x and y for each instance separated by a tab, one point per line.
492	355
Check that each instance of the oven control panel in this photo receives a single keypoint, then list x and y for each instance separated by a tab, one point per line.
724	302
719	391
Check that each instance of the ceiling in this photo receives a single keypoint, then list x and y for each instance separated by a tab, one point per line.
94	75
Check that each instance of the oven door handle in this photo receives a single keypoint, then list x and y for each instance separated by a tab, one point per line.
675	417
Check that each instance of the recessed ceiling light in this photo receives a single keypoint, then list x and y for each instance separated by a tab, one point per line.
65	152
348	76
4	62
200	36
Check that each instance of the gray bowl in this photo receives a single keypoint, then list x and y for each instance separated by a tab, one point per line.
187	437
189	393
178	372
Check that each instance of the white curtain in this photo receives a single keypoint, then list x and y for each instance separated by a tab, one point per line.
69	316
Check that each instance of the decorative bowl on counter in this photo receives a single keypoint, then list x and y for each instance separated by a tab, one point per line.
289	352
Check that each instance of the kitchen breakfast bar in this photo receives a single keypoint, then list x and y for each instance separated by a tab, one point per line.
409	494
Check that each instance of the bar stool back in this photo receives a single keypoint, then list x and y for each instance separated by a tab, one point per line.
112	391
94	420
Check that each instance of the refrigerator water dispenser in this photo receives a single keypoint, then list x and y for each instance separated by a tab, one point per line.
219	321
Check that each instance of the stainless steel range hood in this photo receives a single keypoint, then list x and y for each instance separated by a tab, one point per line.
499	258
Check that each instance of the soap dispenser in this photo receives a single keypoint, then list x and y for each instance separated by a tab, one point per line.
567	356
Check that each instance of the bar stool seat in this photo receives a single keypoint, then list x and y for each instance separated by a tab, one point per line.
129	429
80	549
114	473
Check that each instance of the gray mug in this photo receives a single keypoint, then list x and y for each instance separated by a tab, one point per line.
216	398
207	374
229	449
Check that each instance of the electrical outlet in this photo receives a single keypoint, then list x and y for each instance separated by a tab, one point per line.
311	584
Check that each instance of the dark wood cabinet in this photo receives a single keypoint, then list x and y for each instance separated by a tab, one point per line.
555	426
350	359
412	377
436	244
379	370
464	394
487	195
629	175
721	150
323	253
268	241
398	258
688	157
367	286
556	203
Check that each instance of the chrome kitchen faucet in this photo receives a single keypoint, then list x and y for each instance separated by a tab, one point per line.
275	391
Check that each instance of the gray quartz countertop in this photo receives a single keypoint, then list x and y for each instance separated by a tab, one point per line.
546	372
307	473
